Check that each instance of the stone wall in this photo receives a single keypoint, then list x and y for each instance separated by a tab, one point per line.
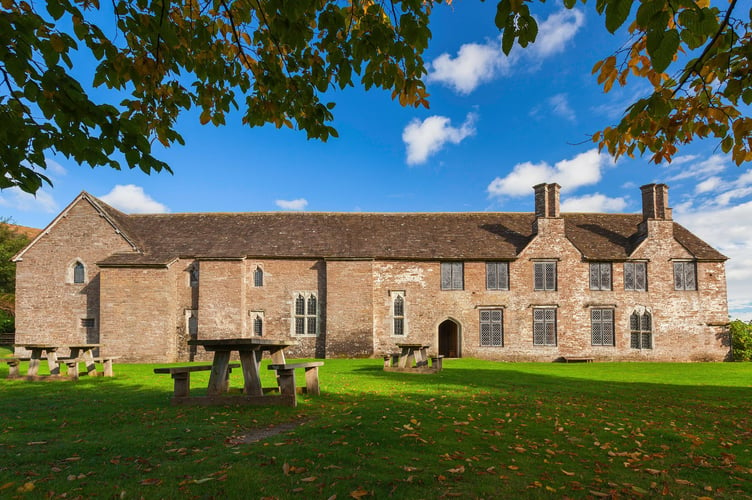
50	307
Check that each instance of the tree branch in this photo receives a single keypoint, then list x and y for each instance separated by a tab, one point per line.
706	51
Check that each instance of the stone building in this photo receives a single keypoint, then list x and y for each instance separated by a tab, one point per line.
539	286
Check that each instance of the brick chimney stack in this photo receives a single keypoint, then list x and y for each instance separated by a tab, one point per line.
655	202
547	200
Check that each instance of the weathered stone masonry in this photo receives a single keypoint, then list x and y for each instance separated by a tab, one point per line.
355	284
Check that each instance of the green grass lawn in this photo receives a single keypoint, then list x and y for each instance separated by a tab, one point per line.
478	429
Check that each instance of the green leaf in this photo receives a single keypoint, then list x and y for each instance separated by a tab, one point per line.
503	9
662	48
617	12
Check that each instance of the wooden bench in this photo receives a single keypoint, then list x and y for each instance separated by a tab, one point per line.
181	375
91	369
577	359
286	376
13	364
391	359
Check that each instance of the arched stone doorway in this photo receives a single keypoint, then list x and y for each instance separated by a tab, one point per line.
449	339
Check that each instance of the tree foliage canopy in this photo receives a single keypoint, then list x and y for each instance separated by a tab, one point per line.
11	242
276	59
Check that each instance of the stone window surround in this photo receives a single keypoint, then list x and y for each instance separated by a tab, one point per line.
70	273
306	317
398	319
490	321
257	323
602	316
494	271
636	286
258	275
453	275
601	276
545	322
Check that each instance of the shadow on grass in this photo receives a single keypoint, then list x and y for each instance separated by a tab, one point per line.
475	429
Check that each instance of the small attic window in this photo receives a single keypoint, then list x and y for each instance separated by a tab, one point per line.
79	272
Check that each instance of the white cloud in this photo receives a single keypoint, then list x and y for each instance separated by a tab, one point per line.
560	107
582	170
710	184
479	63
298	204
709	214
132	199
55	168
474	64
427	137
555	32
25	202
729	229
593	203
701	170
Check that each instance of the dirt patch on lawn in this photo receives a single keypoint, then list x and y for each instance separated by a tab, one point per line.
255	435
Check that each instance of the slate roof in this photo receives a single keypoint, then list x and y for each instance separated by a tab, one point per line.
162	238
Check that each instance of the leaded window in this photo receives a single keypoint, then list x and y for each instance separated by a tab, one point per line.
258	325
635	276
641	330
497	275
193	275
258	276
600	276
306	314
685	277
399	315
602	326
452	276
544	276
79	273
491	327
544	326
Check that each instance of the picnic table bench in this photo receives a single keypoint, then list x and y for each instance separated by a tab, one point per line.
286	376
412	358
181	376
78	353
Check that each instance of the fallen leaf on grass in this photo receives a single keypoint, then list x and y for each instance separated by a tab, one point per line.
567	473
360	492
309	479
201	481
26	487
458	470
6	486
151	482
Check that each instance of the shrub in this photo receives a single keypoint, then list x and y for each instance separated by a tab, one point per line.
6	322
741	340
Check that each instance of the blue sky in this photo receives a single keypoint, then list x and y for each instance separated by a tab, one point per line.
497	126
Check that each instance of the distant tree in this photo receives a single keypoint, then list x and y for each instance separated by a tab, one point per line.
741	340
10	243
162	57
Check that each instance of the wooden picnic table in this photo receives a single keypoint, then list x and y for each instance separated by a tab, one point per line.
50	351
413	357
413	353
250	351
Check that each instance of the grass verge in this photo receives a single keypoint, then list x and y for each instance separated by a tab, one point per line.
479	429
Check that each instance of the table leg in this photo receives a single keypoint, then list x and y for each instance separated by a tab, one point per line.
278	356
52	362
218	377
91	368
250	362
403	359
36	355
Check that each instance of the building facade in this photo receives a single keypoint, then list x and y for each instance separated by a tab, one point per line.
537	286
